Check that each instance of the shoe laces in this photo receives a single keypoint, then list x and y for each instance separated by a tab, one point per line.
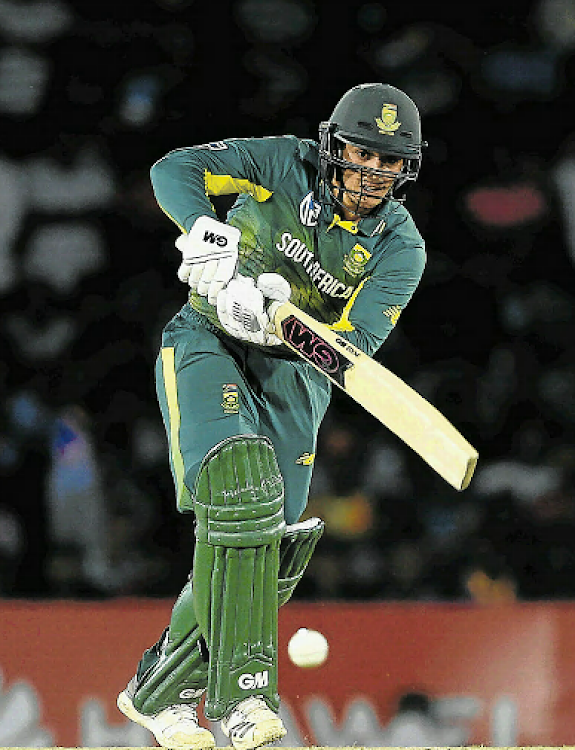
250	708
184	711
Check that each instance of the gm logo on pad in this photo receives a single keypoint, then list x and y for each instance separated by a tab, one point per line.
249	681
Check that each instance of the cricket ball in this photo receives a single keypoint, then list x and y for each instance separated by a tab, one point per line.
308	648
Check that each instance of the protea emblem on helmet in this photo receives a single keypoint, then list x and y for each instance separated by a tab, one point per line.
387	123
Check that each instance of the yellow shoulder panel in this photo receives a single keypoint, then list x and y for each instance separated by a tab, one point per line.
225	184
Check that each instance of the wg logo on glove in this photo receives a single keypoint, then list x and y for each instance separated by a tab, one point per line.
230	398
309	210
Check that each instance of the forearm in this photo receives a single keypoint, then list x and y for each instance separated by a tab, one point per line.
366	340
179	187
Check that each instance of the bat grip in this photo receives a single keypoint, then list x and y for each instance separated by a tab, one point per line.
272	309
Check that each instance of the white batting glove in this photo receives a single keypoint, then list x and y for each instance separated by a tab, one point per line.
209	256
241	307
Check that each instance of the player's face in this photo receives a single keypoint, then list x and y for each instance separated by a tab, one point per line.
372	188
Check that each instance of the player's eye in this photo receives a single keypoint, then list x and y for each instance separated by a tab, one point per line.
390	160
364	153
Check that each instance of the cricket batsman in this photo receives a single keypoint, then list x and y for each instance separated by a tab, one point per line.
323	225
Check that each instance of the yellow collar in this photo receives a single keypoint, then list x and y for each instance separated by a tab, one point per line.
349	226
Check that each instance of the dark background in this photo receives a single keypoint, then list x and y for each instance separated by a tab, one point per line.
91	94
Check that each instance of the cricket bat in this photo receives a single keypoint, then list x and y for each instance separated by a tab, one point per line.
388	398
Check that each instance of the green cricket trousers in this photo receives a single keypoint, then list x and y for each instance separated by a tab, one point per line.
211	387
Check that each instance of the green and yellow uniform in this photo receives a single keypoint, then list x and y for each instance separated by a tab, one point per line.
355	276
242	420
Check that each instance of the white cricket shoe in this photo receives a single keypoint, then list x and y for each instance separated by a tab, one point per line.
175	727
252	724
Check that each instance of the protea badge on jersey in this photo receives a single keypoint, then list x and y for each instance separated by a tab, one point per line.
377	117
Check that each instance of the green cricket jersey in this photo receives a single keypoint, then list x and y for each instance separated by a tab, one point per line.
355	276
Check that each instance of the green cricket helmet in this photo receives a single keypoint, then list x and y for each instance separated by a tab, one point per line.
377	117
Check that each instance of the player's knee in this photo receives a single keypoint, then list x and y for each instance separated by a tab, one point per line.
239	494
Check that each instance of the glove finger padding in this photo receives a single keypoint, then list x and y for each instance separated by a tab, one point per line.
218	282
241	311
202	275
184	272
273	286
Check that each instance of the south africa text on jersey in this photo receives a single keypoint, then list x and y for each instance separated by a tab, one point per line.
299	252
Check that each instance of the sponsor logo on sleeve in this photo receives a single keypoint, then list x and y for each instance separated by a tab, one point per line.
393	313
306	459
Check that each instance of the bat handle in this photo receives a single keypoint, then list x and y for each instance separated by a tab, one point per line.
276	314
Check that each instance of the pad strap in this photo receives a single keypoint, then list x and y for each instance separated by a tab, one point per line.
297	546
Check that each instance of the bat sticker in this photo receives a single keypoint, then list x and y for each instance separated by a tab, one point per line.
314	349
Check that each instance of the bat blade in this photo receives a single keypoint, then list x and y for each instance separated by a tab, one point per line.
382	393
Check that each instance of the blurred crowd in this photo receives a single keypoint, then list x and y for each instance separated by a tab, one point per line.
92	94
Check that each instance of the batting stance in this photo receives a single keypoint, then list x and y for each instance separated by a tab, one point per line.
319	223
